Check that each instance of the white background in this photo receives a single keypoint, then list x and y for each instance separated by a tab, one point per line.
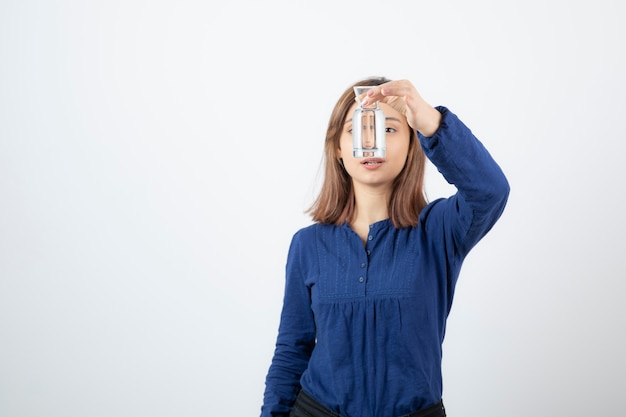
157	156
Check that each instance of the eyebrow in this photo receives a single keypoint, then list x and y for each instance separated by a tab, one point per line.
386	118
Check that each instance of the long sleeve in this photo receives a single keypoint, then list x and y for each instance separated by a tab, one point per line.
483	189
295	341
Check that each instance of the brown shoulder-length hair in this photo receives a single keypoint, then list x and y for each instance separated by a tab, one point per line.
335	203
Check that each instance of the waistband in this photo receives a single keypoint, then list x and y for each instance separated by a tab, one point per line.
435	410
310	406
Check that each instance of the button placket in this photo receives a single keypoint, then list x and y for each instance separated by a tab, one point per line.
362	278
363	265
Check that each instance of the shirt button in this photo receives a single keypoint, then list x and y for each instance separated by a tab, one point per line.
369	252
361	279
370	237
363	265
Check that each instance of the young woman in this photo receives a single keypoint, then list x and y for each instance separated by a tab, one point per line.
369	285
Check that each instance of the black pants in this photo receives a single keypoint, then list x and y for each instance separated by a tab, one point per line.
306	406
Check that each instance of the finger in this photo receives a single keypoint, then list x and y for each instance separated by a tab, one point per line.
401	88
397	89
376	94
372	95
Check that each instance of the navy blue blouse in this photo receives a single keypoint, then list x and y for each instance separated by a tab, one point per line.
362	328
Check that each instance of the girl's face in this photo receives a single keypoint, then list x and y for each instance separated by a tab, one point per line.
377	172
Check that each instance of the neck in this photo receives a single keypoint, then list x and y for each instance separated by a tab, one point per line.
371	205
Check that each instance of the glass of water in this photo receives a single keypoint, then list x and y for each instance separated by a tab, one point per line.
368	127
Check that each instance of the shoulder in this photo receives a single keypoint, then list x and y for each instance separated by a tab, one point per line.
433	209
306	235
305	244
314	230
306	231
309	238
440	214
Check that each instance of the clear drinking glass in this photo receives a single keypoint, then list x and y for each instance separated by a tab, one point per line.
368	128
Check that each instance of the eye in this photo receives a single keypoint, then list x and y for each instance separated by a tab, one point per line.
390	130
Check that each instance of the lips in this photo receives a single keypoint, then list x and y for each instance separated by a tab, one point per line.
372	163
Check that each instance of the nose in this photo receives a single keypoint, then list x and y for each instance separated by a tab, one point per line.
369	131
